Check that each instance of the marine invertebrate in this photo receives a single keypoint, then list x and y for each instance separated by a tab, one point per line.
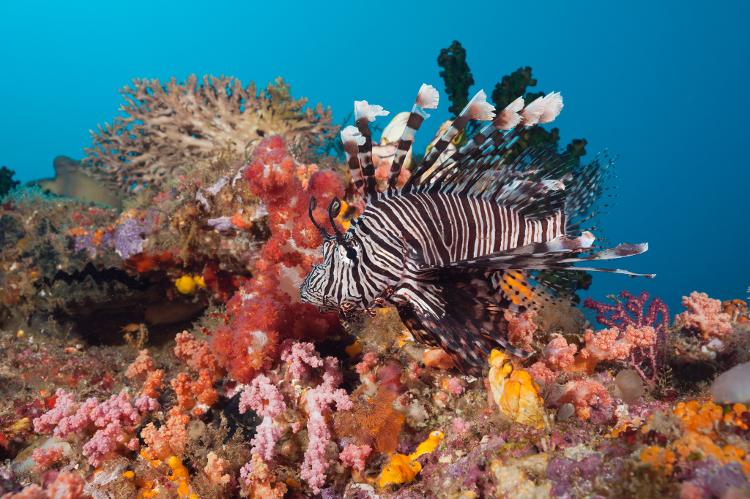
704	315
456	74
6	181
266	309
355	456
514	391
442	272
584	395
168	126
633	311
636	345
215	470
259	481
373	421
112	422
267	401
169	438
318	402
401	468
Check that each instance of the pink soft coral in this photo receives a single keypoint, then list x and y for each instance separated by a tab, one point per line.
705	316
559	354
584	395
264	398
318	402
355	456
521	328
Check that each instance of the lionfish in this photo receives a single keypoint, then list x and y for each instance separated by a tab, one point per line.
454	247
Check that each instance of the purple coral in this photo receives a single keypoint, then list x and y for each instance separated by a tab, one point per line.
128	237
633	312
633	318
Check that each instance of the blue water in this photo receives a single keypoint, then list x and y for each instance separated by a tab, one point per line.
664	85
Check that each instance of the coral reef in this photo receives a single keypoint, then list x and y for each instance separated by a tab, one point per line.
157	346
168	126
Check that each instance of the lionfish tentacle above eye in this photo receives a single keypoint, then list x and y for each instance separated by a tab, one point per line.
427	98
333	211
461	243
321	229
364	113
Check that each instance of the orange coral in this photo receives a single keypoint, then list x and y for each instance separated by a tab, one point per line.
372	421
215	470
659	457
169	439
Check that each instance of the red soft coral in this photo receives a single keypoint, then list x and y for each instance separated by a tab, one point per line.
267	309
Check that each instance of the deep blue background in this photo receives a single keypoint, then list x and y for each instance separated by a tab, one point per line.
664	85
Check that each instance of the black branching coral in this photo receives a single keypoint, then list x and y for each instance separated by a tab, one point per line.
6	180
456	75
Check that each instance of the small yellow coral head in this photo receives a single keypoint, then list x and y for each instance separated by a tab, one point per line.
515	392
399	469
187	284
429	445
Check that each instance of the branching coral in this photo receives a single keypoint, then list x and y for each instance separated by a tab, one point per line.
168	126
266	400
113	423
632	312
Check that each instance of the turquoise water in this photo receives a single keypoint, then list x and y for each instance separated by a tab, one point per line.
662	85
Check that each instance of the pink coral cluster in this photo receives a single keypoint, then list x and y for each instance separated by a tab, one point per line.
267	401
521	328
113	423
267	308
196	394
557	356
318	402
636	345
355	456
585	395
704	315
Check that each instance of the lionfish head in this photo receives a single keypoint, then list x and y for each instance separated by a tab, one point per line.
330	285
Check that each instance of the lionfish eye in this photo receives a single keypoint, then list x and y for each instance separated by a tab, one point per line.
351	253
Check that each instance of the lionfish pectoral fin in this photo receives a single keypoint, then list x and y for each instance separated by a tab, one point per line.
470	321
560	253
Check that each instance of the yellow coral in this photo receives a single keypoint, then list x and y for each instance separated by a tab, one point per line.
399	469
429	445
187	284
402	468
515	392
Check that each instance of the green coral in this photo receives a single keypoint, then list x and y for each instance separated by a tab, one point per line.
456	75
6	180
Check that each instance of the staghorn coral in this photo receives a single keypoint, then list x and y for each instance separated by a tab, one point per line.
170	126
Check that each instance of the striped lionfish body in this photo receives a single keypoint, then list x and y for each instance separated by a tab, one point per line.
452	248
